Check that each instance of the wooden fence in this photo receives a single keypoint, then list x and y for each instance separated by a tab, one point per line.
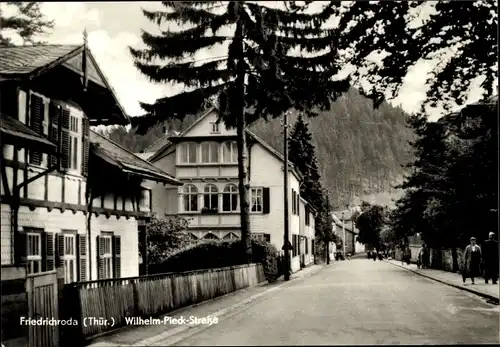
152	295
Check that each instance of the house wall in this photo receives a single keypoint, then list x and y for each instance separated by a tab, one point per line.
56	221
58	199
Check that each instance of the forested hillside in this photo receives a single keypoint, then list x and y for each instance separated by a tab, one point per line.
359	150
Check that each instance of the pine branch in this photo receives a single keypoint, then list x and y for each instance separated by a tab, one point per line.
187	73
184	14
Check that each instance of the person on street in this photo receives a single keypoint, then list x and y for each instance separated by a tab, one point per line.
407	255
423	257
471	261
374	256
369	255
490	259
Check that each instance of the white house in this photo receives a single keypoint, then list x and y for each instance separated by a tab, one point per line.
81	198
204	158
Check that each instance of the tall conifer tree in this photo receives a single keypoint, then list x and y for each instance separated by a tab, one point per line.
257	77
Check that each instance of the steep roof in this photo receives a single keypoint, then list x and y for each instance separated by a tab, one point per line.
32	61
126	160
26	59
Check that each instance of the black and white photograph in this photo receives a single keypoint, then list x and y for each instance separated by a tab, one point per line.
251	173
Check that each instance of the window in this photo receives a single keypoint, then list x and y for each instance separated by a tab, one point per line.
210	236
106	257
308	217
109	251
34	252
69	254
210	197
307	246
71	137
209	152
230	198
294	246
230	152
293	202
187	152
190	198
256	199
215	127
261	237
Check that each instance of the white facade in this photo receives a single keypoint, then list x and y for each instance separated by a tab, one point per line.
204	158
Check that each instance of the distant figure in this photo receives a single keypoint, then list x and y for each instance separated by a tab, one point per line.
406	255
374	256
380	256
471	261
490	259
368	255
423	257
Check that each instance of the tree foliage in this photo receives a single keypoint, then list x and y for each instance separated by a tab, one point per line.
165	237
370	223
28	22
451	194
460	35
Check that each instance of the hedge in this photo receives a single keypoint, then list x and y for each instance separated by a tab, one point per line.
214	254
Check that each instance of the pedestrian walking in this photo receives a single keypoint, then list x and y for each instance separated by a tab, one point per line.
471	261
490	259
407	255
423	257
368	255
374	256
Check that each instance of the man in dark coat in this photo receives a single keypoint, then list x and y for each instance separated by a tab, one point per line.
490	259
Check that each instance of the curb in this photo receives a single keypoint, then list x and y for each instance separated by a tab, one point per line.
484	295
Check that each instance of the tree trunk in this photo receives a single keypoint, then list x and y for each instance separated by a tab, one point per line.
243	185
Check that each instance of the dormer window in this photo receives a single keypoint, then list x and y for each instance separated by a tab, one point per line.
215	127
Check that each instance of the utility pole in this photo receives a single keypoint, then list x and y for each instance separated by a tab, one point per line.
285	190
343	231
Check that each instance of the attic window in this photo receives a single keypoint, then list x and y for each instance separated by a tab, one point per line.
215	127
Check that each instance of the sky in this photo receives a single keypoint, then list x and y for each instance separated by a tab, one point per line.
113	26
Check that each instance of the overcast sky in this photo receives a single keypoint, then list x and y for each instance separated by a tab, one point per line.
113	26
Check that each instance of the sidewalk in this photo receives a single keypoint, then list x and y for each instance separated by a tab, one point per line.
489	291
217	308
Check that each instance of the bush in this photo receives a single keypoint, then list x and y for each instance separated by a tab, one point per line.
214	254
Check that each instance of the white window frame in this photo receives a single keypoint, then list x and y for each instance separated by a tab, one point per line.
34	252
185	151
75	136
231	191
232	148
107	256
70	257
255	195
189	192
211	190
215	127
213	152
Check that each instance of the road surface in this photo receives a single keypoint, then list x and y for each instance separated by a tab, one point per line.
358	302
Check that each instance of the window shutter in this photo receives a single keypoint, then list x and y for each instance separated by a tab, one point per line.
81	245
60	249
85	145
36	123
265	201
54	121
100	262
21	248
65	139
48	263
117	249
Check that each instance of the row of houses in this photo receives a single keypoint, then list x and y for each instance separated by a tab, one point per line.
72	199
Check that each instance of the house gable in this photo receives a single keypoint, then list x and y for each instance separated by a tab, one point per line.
204	126
93	70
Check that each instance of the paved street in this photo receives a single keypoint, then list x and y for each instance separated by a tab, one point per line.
358	302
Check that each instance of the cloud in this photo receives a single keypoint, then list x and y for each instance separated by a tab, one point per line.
70	14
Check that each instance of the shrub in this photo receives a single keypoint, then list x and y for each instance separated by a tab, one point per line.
215	254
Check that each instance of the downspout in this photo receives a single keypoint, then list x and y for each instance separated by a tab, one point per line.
16	203
90	199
